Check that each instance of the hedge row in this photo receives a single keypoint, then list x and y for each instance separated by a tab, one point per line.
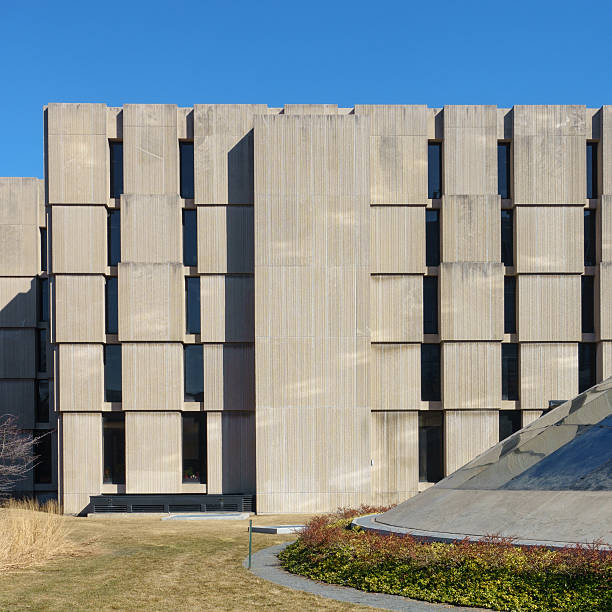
491	574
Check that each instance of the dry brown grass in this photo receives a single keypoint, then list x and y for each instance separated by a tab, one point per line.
31	534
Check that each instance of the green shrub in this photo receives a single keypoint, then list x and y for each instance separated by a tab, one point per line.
492	573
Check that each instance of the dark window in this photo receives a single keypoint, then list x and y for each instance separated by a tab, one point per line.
503	169
507	237
194	373
510	387
113	448
43	451
587	360
194	447
591	164
431	446
42	401
588	304
190	238
434	170
116	169
112	373
509	423
430	372
43	300
192	304
43	249
114	237
111	305
509	304
432	237
41	350
186	156
590	233
430	304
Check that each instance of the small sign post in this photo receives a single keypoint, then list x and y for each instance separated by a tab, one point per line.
250	539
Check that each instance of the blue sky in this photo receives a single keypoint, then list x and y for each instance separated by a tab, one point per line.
426	52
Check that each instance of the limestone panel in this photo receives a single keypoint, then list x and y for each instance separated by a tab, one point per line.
78	244
549	308
471	301
81	378
150	149
229	377
470	228
398	153
604	355
151	302
152	376
395	452
529	416
604	215
77	156
310	109
547	372
17	398
395	373
18	302
79	308
397	240
151	229
225	239
604	304
470	150
153	452
471	375
549	155
549	239
396	304
468	433
81	449
223	152
238	448
214	453
17	353
227	308
19	200
606	149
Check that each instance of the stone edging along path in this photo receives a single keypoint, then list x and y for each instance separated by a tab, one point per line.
265	564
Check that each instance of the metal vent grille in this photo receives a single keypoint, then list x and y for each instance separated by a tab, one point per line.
184	508
147	507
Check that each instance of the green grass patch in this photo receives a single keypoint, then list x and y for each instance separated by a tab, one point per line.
491	574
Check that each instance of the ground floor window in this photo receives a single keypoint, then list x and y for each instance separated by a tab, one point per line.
509	423
431	446
113	443
43	451
194	447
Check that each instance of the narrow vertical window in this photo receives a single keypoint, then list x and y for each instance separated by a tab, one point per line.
431	446
587	365
43	300
113	448
43	451
194	447
194	373
509	423
116	168
434	170
509	304
41	350
591	165
430	373
510	386
111	305
430	304
43	249
114	237
507	237
112	373
588	304
190	238
432	238
503	170
42	401
192	304
186	159
590	233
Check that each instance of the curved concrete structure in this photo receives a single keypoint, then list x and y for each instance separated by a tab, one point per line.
549	482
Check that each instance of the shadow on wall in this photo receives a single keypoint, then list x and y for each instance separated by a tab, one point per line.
240	171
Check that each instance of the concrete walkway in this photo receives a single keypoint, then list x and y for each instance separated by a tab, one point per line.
265	564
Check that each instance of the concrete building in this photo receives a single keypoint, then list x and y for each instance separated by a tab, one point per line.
313	305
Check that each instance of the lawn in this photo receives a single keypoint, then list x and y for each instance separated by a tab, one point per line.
148	564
